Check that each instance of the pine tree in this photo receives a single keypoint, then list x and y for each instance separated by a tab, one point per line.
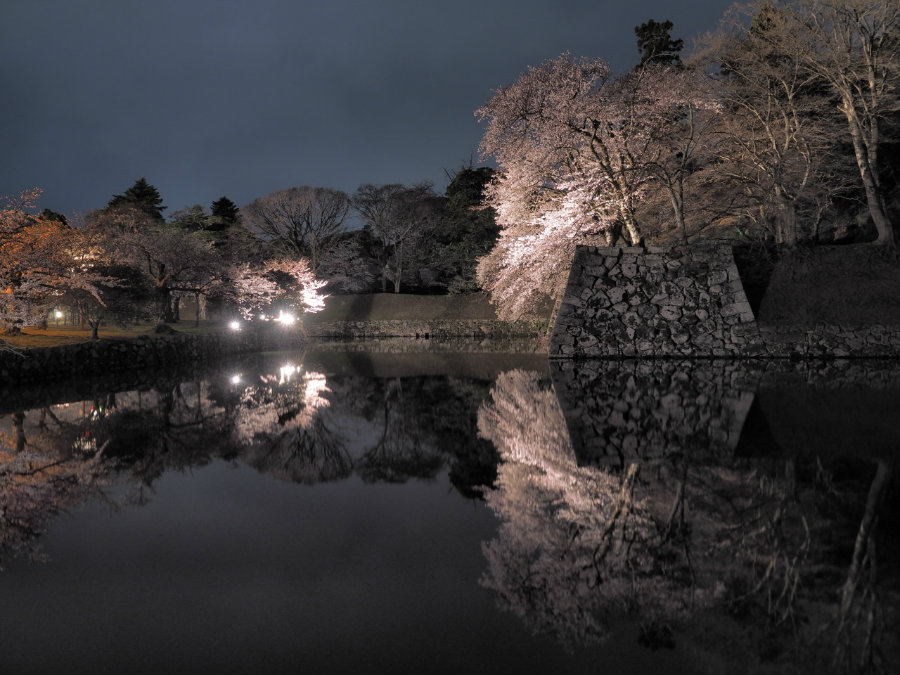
142	195
656	44
224	213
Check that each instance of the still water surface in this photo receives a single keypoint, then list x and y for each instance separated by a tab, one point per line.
348	512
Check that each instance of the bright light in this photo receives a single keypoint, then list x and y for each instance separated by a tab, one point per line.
58	314
286	318
235	325
235	379
287	371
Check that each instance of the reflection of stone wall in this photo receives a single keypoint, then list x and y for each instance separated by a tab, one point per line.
621	411
89	359
685	301
679	301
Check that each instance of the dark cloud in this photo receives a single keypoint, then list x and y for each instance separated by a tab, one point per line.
208	98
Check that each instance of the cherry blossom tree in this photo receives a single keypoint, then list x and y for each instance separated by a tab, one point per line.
174	261
347	266
290	284
41	259
578	149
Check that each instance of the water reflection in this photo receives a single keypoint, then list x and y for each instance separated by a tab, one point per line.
753	551
279	416
743	513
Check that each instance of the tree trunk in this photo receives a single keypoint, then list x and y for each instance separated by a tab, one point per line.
634	237
18	420
785	221
676	196
874	198
399	268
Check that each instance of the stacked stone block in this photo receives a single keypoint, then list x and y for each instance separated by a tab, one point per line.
678	301
686	301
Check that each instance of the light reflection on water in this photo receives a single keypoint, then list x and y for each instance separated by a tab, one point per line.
366	514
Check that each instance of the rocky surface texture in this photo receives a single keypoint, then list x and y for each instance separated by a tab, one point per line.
685	301
89	359
430	329
620	411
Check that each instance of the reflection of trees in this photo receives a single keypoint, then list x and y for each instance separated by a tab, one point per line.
747	549
400	451
860	623
174	426
573	541
291	424
281	425
455	422
43	471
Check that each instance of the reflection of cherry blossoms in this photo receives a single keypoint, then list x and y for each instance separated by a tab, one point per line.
567	532
742	546
576	544
280	425
45	468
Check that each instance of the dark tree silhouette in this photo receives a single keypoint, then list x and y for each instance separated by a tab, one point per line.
655	43
143	196
224	213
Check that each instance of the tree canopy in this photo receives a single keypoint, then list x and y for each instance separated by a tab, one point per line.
655	43
143	196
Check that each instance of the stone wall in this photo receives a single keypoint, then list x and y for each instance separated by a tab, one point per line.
431	329
88	359
685	301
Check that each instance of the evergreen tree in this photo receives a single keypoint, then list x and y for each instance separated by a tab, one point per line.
224	211
47	214
655	43
143	196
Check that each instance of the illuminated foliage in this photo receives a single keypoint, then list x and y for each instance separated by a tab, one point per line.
41	260
276	285
578	150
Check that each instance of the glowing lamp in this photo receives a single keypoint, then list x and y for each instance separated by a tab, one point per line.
285	318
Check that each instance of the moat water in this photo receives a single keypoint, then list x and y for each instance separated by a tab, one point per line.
347	511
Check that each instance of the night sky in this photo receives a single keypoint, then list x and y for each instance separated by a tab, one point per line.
208	98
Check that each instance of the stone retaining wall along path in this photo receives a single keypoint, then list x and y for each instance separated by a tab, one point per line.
85	359
685	301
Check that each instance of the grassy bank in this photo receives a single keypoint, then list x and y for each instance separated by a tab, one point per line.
54	335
